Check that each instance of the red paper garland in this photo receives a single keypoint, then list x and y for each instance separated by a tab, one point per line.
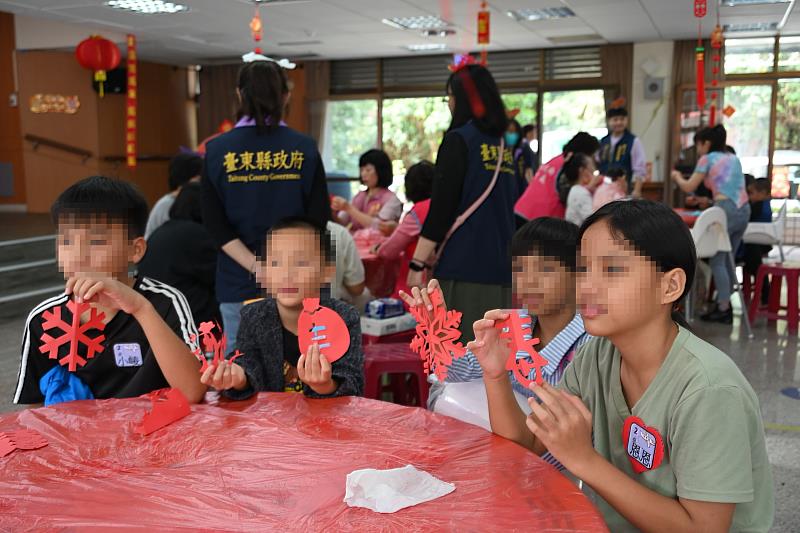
209	343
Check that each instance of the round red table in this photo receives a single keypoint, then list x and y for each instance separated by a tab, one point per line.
275	462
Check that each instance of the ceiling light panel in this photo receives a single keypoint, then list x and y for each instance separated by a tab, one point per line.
547	13
147	7
422	22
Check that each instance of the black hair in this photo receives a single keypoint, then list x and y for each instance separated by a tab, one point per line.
570	174
473	85
383	165
616	112
582	142
117	200
326	246
656	232
616	173
188	204
749	180
730	149
527	128
549	237
419	181
762	185
716	135
182	168
263	86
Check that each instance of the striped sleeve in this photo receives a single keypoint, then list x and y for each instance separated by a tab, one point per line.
464	369
26	346
185	327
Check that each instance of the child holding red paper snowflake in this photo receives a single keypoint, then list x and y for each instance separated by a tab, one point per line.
662	426
147	326
298	261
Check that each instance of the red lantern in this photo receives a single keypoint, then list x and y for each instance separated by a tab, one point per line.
700	8
99	55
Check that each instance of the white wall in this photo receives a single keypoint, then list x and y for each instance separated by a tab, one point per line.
650	118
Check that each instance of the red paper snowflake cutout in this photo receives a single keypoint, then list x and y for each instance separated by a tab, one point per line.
517	330
209	343
437	333
74	334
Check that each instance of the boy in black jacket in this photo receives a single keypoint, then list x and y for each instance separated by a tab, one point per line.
298	261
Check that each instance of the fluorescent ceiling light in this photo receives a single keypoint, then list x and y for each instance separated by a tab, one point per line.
734	3
422	22
427	47
750	27
541	14
147	7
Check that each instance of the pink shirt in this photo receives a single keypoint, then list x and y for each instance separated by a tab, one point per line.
540	199
605	194
388	205
404	239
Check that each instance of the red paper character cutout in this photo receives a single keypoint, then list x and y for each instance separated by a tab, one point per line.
523	357
209	343
74	333
437	333
21	439
324	327
169	405
643	444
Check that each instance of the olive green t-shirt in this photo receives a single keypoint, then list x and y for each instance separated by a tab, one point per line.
707	415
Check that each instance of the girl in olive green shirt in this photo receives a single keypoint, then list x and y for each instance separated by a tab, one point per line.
661	425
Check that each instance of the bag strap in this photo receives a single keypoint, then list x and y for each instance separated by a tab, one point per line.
475	205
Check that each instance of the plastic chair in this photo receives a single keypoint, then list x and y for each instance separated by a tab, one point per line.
710	234
408	383
777	273
768	233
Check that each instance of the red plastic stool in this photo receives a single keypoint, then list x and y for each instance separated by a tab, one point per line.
772	312
408	383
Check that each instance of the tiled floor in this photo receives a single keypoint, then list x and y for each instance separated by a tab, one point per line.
771	362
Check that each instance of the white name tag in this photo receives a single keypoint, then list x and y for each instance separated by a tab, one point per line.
641	446
127	355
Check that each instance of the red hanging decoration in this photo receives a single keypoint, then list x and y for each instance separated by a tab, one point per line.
256	30
701	75
484	22
131	104
716	45
99	55
700	8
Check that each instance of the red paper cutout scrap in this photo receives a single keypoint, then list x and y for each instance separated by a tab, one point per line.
324	326
643	444
436	336
169	405
21	439
74	334
209	343
523	357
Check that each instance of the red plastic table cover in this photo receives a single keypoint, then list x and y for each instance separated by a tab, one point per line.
275	462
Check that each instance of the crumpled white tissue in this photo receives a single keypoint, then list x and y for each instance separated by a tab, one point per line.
388	491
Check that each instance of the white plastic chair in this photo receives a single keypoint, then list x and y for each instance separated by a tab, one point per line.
710	234
768	233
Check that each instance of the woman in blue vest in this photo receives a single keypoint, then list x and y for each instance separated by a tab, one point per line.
255	175
621	148
474	267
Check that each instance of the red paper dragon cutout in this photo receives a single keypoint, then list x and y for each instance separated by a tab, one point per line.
437	333
74	334
523	357
169	405
325	327
21	439
209	343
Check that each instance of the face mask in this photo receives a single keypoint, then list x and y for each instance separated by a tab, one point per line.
512	138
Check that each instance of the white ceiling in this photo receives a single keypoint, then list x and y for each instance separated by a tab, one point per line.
214	30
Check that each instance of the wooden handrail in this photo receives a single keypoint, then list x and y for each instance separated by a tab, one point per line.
42	141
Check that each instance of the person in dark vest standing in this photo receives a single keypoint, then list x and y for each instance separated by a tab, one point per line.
621	148
256	174
474	266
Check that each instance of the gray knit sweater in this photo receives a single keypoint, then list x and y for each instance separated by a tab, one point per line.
260	339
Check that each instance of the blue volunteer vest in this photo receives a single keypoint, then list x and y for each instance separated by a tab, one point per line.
260	179
478	251
621	156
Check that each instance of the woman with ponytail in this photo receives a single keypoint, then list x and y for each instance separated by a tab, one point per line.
255	175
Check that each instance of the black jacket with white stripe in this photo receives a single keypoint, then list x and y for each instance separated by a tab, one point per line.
126	367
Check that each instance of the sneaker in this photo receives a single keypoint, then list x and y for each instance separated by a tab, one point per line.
723	317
